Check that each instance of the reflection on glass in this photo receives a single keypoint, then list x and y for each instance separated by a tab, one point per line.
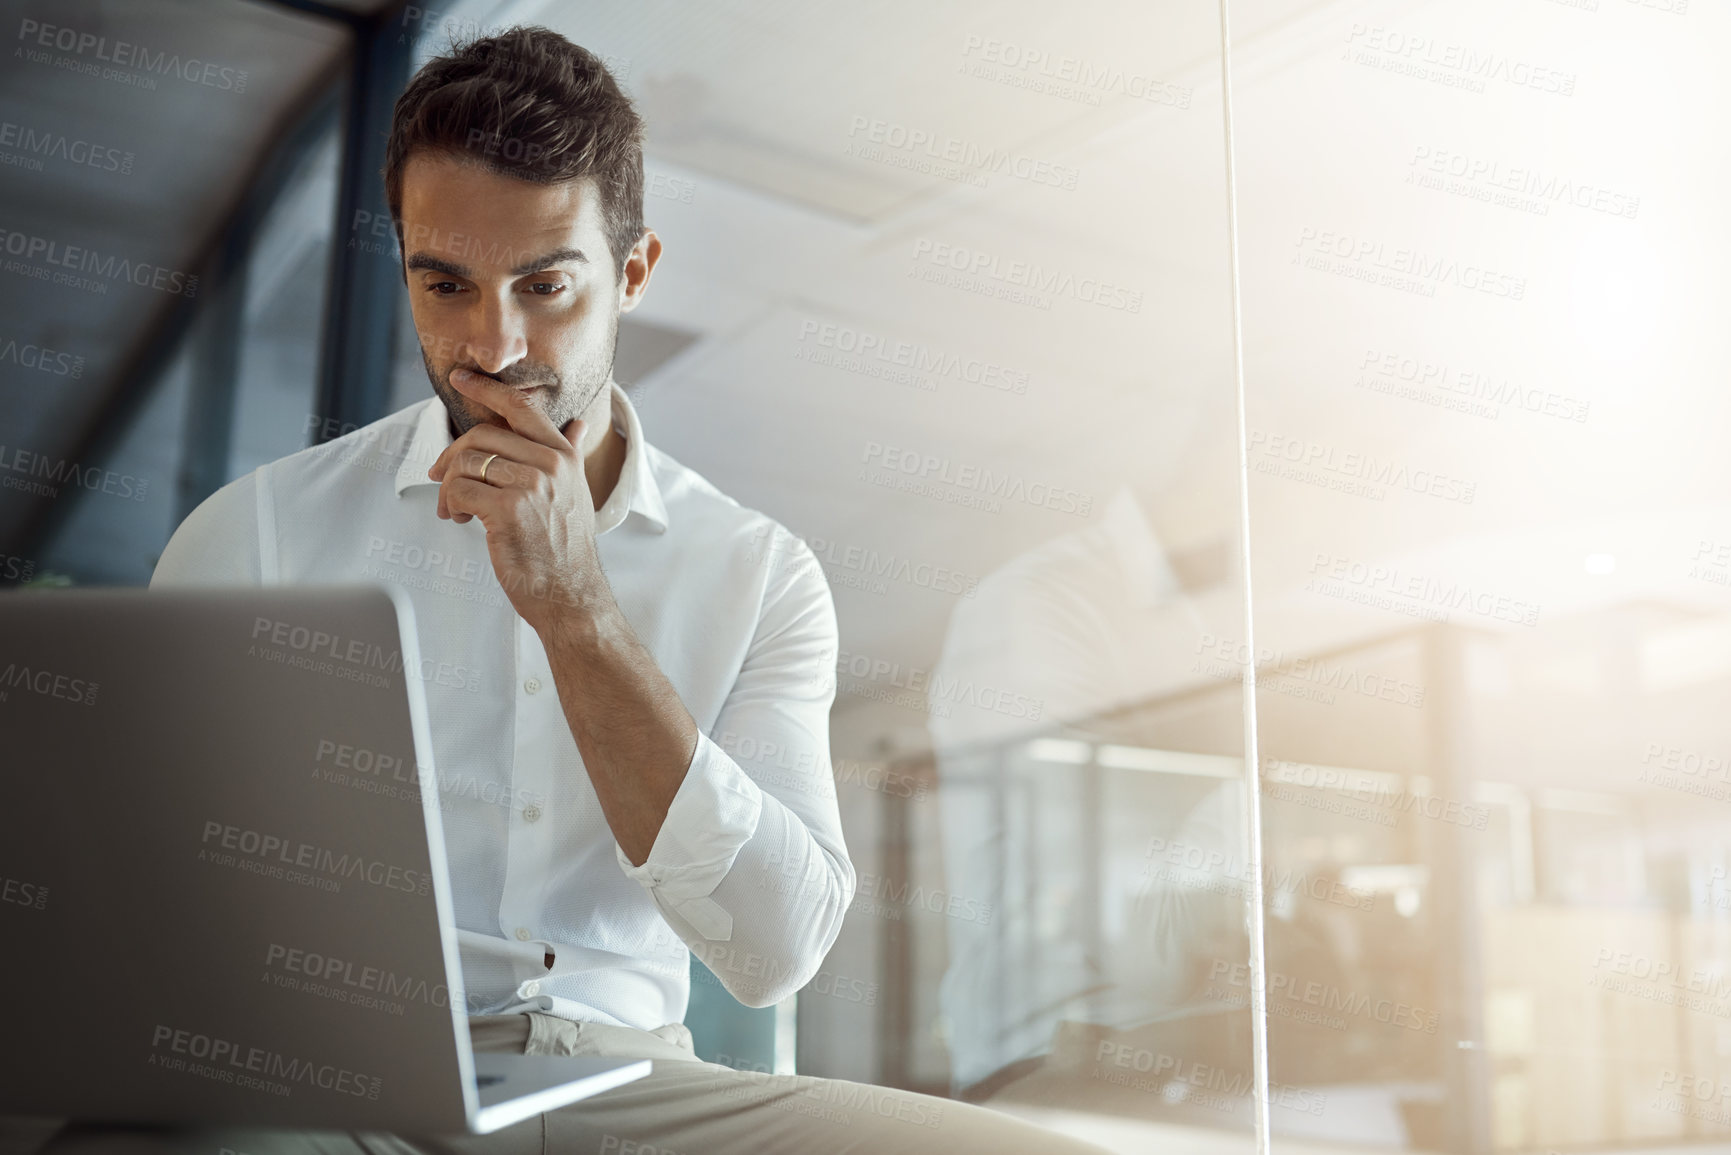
1481	282
981	365
1091	620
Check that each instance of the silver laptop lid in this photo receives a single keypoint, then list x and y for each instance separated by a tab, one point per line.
223	886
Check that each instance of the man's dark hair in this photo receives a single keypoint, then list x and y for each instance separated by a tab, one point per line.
529	104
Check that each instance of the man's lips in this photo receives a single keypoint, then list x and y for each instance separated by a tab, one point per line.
521	388
525	390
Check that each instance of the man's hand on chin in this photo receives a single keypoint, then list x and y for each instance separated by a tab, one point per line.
534	502
634	733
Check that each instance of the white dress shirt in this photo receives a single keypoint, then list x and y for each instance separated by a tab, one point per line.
749	868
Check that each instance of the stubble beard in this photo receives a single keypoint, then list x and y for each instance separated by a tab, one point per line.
561	400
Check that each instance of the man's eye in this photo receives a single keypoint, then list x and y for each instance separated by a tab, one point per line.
546	288
442	288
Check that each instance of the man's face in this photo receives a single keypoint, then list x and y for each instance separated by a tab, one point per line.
513	280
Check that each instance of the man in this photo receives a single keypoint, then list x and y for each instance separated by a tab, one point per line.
594	617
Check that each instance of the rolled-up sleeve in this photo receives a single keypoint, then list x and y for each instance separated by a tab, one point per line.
749	866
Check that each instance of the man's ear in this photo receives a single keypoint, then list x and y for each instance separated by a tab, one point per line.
640	264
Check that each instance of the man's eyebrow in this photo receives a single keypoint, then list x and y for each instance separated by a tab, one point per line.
540	264
534	265
437	265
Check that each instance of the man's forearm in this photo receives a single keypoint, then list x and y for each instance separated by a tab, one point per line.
635	735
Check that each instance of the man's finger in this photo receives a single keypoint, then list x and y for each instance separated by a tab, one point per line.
462	498
489	437
485	440
513	404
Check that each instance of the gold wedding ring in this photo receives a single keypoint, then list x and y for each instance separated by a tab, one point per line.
484	465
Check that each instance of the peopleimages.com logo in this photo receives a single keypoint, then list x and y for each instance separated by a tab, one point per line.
103	266
990	269
354	659
1063	75
34	144
929	145
48	684
123	54
20	893
42	359
278	851
925	470
938	686
1401	267
1454	64
358	984
911	355
226	1061
1335	576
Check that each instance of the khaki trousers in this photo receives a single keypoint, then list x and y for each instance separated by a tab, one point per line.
682	1107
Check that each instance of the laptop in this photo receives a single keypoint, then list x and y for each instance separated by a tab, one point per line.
223	885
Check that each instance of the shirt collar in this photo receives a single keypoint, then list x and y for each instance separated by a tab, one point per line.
635	492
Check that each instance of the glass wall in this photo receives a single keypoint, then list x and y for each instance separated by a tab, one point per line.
1483	302
946	292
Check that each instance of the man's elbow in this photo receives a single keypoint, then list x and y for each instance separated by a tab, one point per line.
765	981
773	980
757	997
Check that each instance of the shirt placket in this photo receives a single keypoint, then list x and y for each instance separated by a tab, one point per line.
530	838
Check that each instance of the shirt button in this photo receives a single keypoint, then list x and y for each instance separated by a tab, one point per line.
531	989
531	813
523	933
532	686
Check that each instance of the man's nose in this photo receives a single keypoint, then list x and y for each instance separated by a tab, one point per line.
498	340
